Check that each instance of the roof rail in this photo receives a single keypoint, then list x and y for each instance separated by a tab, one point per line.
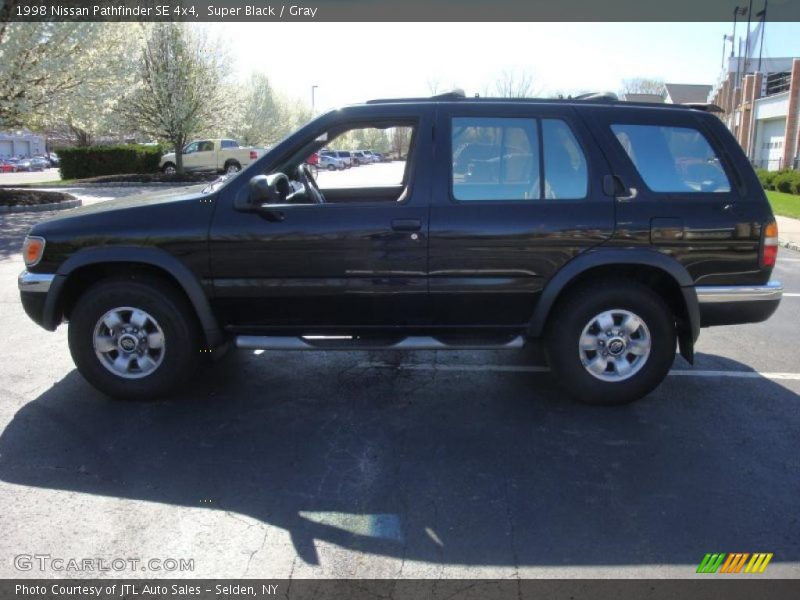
450	94
607	96
712	108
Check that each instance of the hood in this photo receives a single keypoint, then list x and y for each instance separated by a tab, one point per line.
124	206
169	156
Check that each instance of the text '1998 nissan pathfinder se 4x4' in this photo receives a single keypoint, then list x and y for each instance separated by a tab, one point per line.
612	231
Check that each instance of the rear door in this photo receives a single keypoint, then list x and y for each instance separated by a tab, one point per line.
518	194
683	193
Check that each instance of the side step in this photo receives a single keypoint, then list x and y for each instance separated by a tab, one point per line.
420	342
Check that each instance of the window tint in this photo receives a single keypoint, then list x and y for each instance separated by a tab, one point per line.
672	159
230	144
495	159
565	173
206	146
190	148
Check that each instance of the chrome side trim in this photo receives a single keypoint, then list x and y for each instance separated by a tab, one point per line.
263	342
739	293
35	282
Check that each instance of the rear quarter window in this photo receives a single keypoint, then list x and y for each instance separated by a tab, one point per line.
672	159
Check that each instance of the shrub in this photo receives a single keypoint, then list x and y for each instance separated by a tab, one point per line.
766	178
787	182
92	161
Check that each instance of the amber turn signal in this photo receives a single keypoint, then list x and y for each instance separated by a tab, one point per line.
32	250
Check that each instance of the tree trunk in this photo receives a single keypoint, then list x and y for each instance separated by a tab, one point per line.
179	141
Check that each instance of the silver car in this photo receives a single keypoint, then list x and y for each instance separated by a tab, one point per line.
326	161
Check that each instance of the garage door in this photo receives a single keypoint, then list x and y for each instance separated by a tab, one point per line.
770	144
5	148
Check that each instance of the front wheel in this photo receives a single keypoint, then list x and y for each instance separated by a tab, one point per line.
169	169
611	342
134	338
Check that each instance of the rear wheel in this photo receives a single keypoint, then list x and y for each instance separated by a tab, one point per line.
232	167
611	342
134	338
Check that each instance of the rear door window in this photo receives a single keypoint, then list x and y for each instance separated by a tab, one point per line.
672	159
495	159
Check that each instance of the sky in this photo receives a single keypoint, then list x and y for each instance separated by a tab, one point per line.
353	62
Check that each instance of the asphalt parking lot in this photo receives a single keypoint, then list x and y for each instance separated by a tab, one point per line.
394	464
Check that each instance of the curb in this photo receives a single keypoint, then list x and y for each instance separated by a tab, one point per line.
789	244
69	186
41	207
134	184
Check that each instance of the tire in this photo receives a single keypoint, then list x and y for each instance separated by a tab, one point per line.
232	167
169	169
96	347
331	167
575	338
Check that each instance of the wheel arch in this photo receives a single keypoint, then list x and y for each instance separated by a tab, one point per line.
86	266
659	271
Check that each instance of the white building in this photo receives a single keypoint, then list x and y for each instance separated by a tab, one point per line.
21	144
762	109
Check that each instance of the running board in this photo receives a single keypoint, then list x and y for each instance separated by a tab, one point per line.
421	342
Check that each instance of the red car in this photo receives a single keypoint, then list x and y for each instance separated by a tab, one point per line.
313	159
7	167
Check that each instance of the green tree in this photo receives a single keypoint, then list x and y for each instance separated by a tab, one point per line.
183	86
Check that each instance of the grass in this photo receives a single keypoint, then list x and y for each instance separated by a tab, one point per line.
786	205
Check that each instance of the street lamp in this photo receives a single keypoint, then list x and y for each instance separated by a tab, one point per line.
313	88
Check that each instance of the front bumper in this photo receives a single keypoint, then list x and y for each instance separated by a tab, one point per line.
736	304
33	289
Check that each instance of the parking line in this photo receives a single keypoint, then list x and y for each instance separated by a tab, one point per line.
792	295
542	369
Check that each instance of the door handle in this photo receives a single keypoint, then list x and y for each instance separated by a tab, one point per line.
406	224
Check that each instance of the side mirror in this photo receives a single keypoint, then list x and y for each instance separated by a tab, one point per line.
268	189
261	191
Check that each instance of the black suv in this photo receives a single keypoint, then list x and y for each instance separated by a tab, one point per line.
612	231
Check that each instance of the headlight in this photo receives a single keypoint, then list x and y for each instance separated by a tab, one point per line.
32	250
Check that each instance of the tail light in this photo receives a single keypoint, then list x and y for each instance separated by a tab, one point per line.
253	155
769	250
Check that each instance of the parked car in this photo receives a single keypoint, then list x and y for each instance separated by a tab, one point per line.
7	167
379	156
53	159
40	163
359	158
344	156
331	163
578	231
371	155
30	164
223	156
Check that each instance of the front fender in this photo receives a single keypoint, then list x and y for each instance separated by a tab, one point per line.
154	257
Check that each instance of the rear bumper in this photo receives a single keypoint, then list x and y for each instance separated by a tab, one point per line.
736	304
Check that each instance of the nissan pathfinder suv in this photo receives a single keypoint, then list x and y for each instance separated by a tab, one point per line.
610	231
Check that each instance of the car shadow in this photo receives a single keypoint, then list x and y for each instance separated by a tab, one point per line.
384	455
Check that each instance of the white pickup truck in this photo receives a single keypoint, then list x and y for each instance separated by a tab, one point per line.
212	155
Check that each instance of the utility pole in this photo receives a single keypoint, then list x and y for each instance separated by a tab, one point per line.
763	15
313	88
747	38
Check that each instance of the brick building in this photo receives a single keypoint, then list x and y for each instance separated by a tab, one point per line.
762	109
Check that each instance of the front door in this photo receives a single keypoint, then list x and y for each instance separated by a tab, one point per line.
357	261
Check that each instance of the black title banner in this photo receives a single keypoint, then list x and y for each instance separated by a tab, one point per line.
404	589
392	10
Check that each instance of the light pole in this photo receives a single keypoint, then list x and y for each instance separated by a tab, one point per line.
313	89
